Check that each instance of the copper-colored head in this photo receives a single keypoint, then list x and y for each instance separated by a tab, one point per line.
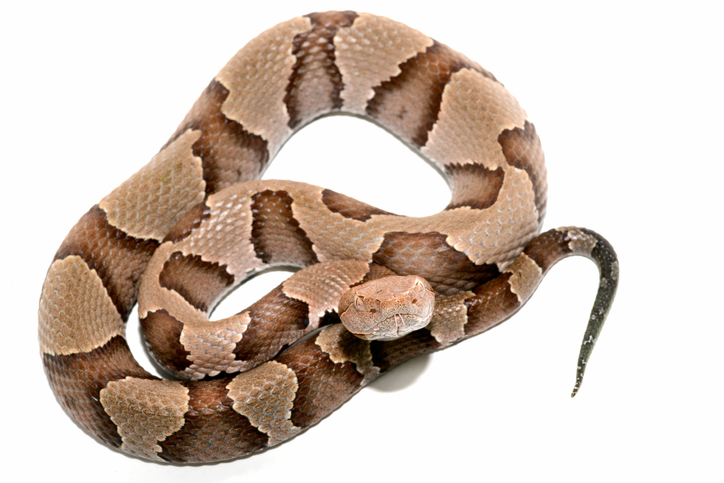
387	308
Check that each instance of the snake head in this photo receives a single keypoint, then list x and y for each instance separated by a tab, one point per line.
387	308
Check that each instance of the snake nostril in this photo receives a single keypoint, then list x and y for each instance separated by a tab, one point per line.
414	301
373	311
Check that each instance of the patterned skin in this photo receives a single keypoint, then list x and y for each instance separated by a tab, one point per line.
195	222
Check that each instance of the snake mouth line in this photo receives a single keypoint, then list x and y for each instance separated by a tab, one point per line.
415	316
400	324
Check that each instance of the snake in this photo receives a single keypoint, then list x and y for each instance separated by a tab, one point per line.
372	289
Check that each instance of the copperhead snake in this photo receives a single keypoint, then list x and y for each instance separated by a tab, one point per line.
196	221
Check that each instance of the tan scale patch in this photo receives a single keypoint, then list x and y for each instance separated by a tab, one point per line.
149	203
265	395
370	52
211	346
333	236
494	235
342	346
145	411
449	319
257	78
581	243
320	286
152	297
474	111
525	277
76	313
225	237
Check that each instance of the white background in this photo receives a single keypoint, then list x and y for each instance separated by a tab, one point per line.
627	98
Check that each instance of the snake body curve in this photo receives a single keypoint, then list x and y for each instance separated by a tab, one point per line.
196	221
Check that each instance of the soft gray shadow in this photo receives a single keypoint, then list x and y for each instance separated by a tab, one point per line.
403	376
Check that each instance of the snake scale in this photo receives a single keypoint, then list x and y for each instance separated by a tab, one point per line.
197	221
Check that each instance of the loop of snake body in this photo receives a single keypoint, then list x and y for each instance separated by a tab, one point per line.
196	221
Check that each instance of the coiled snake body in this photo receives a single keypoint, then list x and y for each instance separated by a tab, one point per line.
196	221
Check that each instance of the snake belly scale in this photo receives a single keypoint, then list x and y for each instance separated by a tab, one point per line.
197	221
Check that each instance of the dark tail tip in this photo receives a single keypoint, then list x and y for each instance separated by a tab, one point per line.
605	258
